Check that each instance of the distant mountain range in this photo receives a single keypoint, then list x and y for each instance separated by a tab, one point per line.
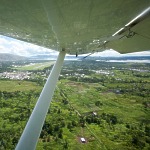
71	57
11	57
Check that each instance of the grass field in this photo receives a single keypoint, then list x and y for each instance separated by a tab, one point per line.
12	86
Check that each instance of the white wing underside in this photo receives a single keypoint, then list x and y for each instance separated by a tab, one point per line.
77	25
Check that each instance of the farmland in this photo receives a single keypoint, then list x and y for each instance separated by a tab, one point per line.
107	104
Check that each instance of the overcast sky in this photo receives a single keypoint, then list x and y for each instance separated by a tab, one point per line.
13	46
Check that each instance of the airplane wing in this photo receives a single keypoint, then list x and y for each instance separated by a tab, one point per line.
135	35
72	26
79	26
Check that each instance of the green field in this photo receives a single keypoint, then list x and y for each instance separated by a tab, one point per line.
121	122
16	85
35	66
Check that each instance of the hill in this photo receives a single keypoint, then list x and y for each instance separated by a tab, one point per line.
11	57
98	57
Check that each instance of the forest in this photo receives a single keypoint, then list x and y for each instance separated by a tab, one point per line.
106	103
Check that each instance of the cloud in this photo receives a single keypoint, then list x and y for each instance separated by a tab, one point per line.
143	53
108	53
13	46
113	53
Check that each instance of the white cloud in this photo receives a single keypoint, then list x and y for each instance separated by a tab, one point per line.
13	46
2	40
143	53
107	53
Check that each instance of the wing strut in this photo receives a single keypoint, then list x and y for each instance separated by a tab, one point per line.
31	133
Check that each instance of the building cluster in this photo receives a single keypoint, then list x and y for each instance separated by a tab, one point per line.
106	72
16	75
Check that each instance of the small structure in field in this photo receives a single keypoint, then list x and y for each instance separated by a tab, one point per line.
83	140
94	114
